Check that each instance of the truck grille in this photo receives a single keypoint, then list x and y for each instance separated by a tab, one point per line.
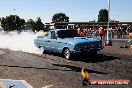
87	47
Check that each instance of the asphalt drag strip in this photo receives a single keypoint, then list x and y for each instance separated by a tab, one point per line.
50	69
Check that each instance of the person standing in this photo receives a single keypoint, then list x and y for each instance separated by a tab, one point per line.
80	31
101	32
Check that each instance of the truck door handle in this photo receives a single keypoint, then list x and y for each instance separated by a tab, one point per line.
48	41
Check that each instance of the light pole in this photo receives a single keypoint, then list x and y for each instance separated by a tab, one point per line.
108	21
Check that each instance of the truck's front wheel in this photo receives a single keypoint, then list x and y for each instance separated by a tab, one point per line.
67	54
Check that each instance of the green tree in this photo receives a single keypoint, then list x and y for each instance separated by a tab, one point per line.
35	25
12	22
60	17
31	25
39	24
103	15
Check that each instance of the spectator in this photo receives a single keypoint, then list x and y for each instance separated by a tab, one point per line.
124	32
80	31
101	32
112	32
95	33
119	34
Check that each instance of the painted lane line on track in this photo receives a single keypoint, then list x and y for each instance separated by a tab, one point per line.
47	86
9	83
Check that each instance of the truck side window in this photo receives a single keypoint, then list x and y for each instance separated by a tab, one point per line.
53	35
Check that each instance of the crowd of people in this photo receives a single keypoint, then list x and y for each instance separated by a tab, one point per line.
117	32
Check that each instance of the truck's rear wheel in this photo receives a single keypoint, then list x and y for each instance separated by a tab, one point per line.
41	49
67	54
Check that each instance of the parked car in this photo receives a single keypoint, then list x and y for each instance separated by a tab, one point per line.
68	43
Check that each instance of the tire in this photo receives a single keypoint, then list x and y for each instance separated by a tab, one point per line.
67	54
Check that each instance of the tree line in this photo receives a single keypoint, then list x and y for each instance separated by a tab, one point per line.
14	22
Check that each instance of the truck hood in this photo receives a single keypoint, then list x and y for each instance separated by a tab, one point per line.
79	40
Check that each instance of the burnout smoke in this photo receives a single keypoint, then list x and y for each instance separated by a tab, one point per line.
23	41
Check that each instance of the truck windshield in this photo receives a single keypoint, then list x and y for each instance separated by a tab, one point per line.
67	33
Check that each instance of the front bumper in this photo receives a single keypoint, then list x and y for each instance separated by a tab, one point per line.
86	50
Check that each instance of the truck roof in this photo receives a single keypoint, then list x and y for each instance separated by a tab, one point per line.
60	29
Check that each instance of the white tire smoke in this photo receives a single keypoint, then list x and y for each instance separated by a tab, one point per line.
23	41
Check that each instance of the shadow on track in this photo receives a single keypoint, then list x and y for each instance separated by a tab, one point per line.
78	69
88	58
95	59
71	68
27	67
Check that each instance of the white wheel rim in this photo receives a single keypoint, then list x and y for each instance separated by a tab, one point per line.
67	54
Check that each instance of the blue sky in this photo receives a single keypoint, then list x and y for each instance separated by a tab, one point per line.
77	10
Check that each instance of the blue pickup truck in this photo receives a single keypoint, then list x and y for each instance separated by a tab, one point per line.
68	43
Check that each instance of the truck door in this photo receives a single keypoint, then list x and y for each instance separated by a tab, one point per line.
51	42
